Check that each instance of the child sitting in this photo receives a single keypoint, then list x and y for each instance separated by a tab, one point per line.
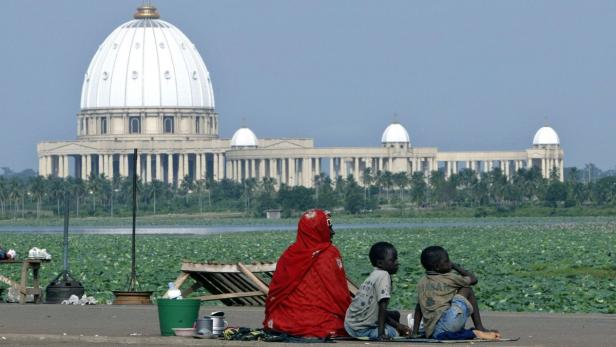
445	300
367	316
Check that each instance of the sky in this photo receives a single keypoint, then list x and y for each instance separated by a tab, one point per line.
459	75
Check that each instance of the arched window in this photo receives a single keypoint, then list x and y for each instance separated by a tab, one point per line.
134	125
103	126
197	127
168	125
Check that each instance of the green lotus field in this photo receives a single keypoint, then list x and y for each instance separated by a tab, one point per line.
551	267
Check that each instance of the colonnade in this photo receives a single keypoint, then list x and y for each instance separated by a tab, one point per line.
289	171
293	170
507	167
165	167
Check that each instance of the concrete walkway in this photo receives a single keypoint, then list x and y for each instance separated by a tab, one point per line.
107	325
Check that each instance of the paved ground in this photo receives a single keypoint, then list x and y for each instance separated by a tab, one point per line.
107	325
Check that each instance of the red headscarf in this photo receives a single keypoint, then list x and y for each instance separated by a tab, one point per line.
314	257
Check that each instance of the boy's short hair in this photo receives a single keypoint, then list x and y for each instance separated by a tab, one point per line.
378	251
431	256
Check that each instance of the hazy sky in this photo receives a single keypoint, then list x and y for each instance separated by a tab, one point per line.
460	75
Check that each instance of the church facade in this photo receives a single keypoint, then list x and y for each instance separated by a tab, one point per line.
148	88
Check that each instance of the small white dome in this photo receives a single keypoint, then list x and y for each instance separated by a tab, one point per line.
147	62
395	132
244	137
546	136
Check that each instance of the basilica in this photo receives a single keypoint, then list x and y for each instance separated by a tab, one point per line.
147	88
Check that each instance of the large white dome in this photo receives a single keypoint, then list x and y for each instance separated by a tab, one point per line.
244	137
395	133
546	136
147	62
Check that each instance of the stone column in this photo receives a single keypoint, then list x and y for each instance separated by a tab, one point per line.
148	167
253	173
307	172
139	165
283	170
125	165
215	166
543	168
292	173
43	166
121	166
181	174
561	168
356	168
186	165
197	166
159	168
221	166
343	167
332	172
229	170
273	165
170	168
261	172
110	166
317	164
88	166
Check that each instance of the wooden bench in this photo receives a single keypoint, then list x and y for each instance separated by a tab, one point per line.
27	265
234	284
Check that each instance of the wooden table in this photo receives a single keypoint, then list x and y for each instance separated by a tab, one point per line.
27	265
234	284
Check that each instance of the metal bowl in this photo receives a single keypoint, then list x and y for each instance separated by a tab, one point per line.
183	331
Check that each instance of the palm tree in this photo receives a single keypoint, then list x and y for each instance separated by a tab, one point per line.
186	187
386	181
367	180
401	180
15	194
418	187
95	188
318	182
37	188
154	190
3	194
200	187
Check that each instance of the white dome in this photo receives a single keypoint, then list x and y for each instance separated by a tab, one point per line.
546	136
395	132
147	62
244	137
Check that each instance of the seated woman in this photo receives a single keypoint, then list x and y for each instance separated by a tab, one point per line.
308	295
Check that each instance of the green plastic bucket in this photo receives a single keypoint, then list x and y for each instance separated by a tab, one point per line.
174	313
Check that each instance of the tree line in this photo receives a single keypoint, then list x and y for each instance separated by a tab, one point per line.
32	196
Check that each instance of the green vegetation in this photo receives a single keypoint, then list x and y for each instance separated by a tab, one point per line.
465	194
552	265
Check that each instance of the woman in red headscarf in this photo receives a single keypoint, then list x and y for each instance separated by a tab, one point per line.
308	295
